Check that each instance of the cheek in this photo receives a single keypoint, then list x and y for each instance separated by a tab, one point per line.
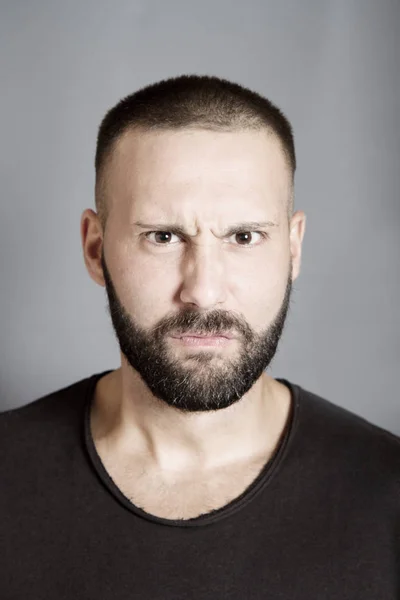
147	288
259	295
261	286
264	273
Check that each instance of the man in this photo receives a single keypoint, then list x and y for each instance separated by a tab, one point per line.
189	472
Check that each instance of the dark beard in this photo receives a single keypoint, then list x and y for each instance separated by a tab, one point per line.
205	381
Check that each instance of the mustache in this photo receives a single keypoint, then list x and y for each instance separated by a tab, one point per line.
216	323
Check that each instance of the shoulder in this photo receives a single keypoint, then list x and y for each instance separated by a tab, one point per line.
41	446
341	422
44	418
348	443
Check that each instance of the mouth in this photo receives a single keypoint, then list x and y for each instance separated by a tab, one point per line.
227	336
195	340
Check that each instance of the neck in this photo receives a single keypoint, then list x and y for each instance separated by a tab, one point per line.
128	421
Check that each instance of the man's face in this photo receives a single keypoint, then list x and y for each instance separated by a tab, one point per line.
162	284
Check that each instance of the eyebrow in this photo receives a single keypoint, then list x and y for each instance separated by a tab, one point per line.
179	230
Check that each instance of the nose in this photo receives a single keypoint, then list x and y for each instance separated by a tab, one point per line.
204	277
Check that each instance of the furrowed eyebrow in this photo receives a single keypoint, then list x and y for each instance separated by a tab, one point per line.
179	230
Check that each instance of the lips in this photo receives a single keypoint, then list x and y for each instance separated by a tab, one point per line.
198	335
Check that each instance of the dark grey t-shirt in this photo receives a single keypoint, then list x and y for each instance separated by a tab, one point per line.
320	522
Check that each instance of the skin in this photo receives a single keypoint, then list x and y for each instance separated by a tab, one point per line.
205	181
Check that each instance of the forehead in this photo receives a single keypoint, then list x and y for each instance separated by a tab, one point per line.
198	165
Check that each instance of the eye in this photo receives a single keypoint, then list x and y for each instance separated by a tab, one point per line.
247	236
163	237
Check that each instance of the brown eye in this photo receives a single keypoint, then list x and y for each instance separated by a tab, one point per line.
246	237
161	238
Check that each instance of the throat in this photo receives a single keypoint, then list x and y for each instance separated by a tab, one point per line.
187	497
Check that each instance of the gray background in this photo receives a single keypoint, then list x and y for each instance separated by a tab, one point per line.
332	66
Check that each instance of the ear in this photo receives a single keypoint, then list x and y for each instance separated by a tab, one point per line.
92	245
297	229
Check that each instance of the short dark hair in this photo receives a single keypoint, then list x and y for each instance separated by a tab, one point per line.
190	101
